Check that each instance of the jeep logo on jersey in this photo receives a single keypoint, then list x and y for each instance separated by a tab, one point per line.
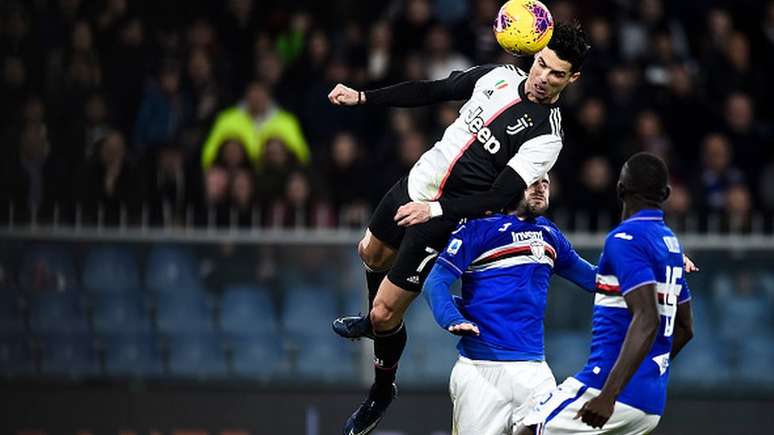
476	125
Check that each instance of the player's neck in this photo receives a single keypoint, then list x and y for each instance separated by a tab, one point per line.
634	207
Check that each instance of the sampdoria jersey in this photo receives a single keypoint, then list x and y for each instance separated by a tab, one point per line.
506	264
641	250
496	121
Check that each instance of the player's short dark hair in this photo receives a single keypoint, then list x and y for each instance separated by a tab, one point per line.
647	178
570	43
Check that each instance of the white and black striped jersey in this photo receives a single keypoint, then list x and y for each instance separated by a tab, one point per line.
494	123
498	127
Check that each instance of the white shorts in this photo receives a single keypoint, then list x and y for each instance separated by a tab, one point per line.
492	397
555	414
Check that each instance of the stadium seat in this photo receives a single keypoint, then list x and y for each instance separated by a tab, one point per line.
756	357
133	356
113	314
700	365
355	301
16	357
111	269
186	313
72	356
309	310
420	320
47	267
248	311
325	358
57	313
567	352
258	357
171	267
199	356
428	359
11	318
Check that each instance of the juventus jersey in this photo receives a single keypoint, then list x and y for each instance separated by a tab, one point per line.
497	122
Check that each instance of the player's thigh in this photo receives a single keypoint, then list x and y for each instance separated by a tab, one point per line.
418	251
533	382
481	400
558	413
383	230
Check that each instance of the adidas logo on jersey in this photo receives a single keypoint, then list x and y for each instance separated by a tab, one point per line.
477	126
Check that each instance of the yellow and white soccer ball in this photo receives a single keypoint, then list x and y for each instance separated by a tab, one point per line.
523	27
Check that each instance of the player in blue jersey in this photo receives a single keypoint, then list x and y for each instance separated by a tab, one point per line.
506	263
642	319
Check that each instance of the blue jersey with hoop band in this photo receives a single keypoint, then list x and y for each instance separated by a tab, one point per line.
506	265
641	250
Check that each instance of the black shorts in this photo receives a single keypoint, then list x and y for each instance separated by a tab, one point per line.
417	245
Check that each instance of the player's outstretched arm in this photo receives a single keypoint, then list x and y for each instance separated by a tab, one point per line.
505	188
638	341
439	298
458	86
683	328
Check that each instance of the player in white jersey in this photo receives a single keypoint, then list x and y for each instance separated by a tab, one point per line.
642	319
507	136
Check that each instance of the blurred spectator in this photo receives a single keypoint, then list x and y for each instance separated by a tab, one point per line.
168	186
348	181
441	59
13	88
237	31
91	127
766	187
31	179
414	23
595	193
738	212
164	110
380	58
213	211
747	137
636	34
276	166
685	113
242	198
649	135
301	207
207	95
475	40
126	54
677	208
109	183
254	121
716	174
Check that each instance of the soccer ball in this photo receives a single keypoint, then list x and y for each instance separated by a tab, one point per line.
523	27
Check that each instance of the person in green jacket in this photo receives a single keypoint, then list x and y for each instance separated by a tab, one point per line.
253	122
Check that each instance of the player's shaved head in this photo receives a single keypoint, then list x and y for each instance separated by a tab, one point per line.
644	179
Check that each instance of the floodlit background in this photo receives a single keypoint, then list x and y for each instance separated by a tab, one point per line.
166	268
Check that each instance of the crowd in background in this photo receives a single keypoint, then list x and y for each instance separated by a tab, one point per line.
215	113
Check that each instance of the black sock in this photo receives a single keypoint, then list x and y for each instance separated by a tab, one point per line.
388	347
374	280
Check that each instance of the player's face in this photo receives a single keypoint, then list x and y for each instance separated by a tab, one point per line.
548	77
536	197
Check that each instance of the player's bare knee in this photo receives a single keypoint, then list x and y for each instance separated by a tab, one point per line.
374	254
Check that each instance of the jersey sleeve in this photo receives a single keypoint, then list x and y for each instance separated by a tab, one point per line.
571	266
458	86
629	261
536	157
462	249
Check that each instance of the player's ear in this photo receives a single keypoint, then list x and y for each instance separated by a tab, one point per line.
574	76
667	192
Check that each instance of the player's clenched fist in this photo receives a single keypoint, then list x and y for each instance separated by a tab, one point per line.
345	96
